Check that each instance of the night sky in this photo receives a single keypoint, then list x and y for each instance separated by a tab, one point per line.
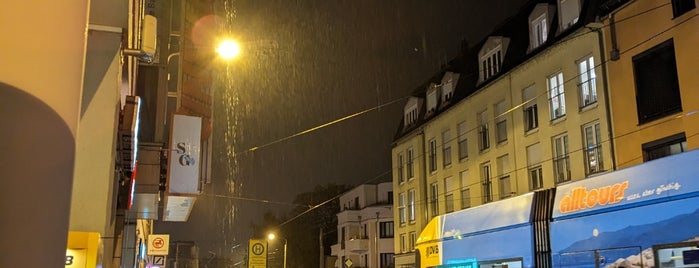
307	63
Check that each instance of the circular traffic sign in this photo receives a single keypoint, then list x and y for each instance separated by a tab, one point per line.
258	249
158	242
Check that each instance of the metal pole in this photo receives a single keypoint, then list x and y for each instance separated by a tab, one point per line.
285	241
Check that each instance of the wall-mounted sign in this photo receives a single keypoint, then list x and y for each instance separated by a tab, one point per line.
184	156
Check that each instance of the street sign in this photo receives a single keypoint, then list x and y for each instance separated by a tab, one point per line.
157	260
257	253
348	262
158	244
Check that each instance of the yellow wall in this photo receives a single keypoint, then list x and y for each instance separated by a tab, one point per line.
636	33
415	141
84	250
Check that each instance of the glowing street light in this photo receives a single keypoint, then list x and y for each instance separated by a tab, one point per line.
228	49
272	236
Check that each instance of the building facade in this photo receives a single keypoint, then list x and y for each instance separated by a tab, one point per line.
365	227
523	110
652	81
75	74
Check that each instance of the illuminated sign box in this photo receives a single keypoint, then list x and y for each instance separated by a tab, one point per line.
184	155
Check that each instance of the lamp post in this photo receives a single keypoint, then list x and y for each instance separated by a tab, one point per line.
272	236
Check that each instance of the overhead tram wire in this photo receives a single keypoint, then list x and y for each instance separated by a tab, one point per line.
257	200
493	121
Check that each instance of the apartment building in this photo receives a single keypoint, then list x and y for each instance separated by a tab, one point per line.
365	227
525	109
650	46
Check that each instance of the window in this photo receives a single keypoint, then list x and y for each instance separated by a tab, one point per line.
557	98
446	148
343	235
385	229
536	179
434	199
410	112
386	260
448	86
433	155
504	184
413	239
592	148
569	11
401	208
409	164
531	114
667	146
539	31
465	198
403	243
411	204
432	98
561	160
401	179
463	142
483	140
465	190
657	86
449	189
587	86
486	183
491	63
680	7
501	118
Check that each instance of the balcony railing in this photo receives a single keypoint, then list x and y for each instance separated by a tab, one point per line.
357	245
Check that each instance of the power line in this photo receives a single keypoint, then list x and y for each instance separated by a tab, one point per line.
472	129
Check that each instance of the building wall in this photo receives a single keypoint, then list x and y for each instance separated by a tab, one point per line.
508	88
635	34
41	79
417	182
361	242
535	72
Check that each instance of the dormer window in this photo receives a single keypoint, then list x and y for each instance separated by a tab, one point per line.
432	97
539	25
491	56
569	11
448	86
491	63
410	112
539	31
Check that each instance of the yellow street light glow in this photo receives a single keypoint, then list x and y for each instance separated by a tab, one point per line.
228	49
271	236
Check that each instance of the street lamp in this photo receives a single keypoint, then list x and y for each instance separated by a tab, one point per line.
272	236
228	49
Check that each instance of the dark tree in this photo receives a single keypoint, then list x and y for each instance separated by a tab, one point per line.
306	224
